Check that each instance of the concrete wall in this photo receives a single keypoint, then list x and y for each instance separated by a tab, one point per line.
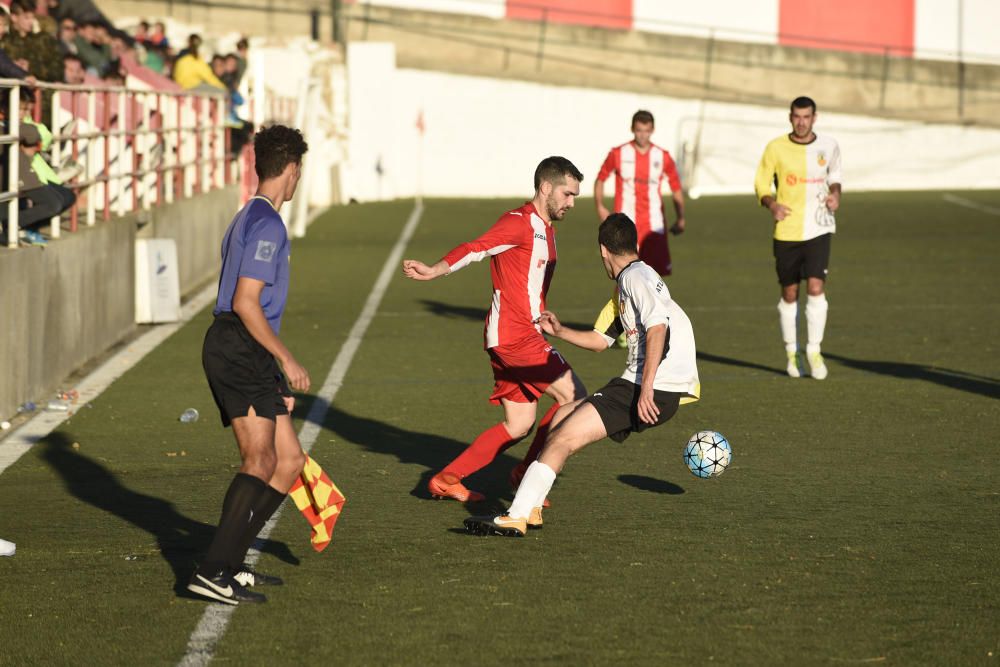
484	137
68	302
197	225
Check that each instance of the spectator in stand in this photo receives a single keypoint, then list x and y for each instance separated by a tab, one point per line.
95	55
45	13
193	73
39	164
8	68
231	71
219	68
67	36
156	59
38	201
158	36
38	53
242	53
142	32
73	71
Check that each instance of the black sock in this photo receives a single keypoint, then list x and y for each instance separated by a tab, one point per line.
267	504
236	514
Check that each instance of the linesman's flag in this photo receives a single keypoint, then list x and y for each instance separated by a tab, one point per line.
320	502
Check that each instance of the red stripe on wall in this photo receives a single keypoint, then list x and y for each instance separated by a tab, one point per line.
600	13
848	25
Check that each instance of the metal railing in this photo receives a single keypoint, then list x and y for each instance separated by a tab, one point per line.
131	148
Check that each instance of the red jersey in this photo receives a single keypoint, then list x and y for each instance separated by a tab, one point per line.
522	252
637	184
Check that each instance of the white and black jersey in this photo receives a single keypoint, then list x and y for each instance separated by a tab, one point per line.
643	301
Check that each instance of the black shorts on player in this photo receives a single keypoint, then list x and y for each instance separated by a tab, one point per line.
617	403
241	372
795	261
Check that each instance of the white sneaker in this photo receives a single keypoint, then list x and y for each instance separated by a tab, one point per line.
793	365
816	366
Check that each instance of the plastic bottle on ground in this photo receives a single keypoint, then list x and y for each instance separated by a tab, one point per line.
189	415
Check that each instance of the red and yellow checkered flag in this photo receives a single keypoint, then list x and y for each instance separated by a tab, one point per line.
320	502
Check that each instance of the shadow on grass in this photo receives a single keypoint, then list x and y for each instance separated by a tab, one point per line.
479	314
716	359
178	537
652	484
431	451
970	382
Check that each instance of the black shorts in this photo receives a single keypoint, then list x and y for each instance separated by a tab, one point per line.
241	372
797	260
617	403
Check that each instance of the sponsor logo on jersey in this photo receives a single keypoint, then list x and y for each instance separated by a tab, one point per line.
791	179
540	237
821	160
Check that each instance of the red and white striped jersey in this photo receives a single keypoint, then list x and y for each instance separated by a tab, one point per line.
522	252
637	184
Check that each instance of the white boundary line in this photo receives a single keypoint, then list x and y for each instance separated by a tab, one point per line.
974	205
20	441
212	626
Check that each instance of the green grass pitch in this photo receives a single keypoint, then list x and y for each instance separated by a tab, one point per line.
858	523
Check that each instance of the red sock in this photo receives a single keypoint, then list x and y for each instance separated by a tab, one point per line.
540	435
482	450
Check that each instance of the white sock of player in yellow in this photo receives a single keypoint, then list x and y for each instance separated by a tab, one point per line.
787	314
816	307
536	484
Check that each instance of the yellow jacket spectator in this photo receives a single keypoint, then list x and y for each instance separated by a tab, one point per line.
190	71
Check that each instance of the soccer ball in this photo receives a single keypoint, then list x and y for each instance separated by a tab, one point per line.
708	454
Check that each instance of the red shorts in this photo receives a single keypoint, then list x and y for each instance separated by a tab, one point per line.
654	250
524	371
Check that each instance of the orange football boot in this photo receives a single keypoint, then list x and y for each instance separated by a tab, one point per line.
446	485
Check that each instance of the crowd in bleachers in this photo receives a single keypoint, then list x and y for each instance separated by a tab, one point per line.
70	41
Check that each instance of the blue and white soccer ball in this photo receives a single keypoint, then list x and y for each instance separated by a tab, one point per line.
708	454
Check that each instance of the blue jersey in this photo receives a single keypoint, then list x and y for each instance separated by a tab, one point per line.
256	246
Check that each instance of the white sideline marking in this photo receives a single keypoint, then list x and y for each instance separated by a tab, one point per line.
974	205
39	426
211	627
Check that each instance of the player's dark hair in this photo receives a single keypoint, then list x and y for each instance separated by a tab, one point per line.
642	116
554	170
617	234
803	102
275	148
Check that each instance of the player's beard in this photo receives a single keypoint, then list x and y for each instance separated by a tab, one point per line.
552	208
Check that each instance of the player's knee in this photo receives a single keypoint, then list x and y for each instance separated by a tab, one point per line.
294	463
518	428
260	464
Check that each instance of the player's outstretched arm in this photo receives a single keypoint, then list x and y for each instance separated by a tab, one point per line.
417	270
588	340
246	304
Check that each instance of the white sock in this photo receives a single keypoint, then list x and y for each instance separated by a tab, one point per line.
535	486
787	314
816	307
